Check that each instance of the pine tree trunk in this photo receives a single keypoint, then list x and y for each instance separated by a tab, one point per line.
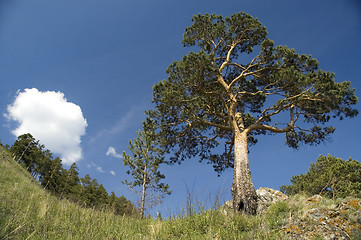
243	192
51	176
143	192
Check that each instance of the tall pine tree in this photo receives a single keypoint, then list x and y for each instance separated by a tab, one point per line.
240	85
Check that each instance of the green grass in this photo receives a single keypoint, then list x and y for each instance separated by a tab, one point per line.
27	211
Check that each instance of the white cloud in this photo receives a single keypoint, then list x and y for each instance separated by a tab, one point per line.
51	119
90	165
111	152
100	169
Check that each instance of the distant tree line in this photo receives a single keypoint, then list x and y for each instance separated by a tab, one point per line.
50	174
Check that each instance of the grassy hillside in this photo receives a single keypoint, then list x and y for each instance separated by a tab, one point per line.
29	212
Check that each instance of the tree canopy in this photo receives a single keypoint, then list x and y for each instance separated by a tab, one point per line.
208	89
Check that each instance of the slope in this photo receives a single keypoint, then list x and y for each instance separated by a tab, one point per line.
29	212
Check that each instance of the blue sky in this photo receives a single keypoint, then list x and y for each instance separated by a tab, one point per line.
105	56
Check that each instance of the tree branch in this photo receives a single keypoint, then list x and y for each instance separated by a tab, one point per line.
278	108
244	71
230	150
212	124
225	63
269	128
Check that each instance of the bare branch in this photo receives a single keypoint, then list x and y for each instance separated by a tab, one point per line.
278	108
223	127
244	71
223	83
216	45
237	65
215	137
269	128
225	63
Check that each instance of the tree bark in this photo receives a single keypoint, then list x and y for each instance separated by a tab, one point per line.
243	192
143	192
51	176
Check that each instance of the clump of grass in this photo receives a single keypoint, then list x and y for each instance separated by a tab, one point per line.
277	215
212	224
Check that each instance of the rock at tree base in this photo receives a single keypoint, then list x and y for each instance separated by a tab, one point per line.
266	197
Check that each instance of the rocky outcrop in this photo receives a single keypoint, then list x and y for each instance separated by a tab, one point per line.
311	218
267	197
340	222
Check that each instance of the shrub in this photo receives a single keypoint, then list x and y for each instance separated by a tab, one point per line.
329	176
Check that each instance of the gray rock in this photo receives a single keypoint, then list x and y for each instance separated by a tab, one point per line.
267	197
340	222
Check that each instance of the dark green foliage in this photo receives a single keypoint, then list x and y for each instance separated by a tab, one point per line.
120	206
72	180
329	176
239	77
53	176
28	152
65	183
89	191
40	163
92	193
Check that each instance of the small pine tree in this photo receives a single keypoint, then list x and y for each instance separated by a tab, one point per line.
73	182
329	176
28	152
52	177
121	205
144	167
